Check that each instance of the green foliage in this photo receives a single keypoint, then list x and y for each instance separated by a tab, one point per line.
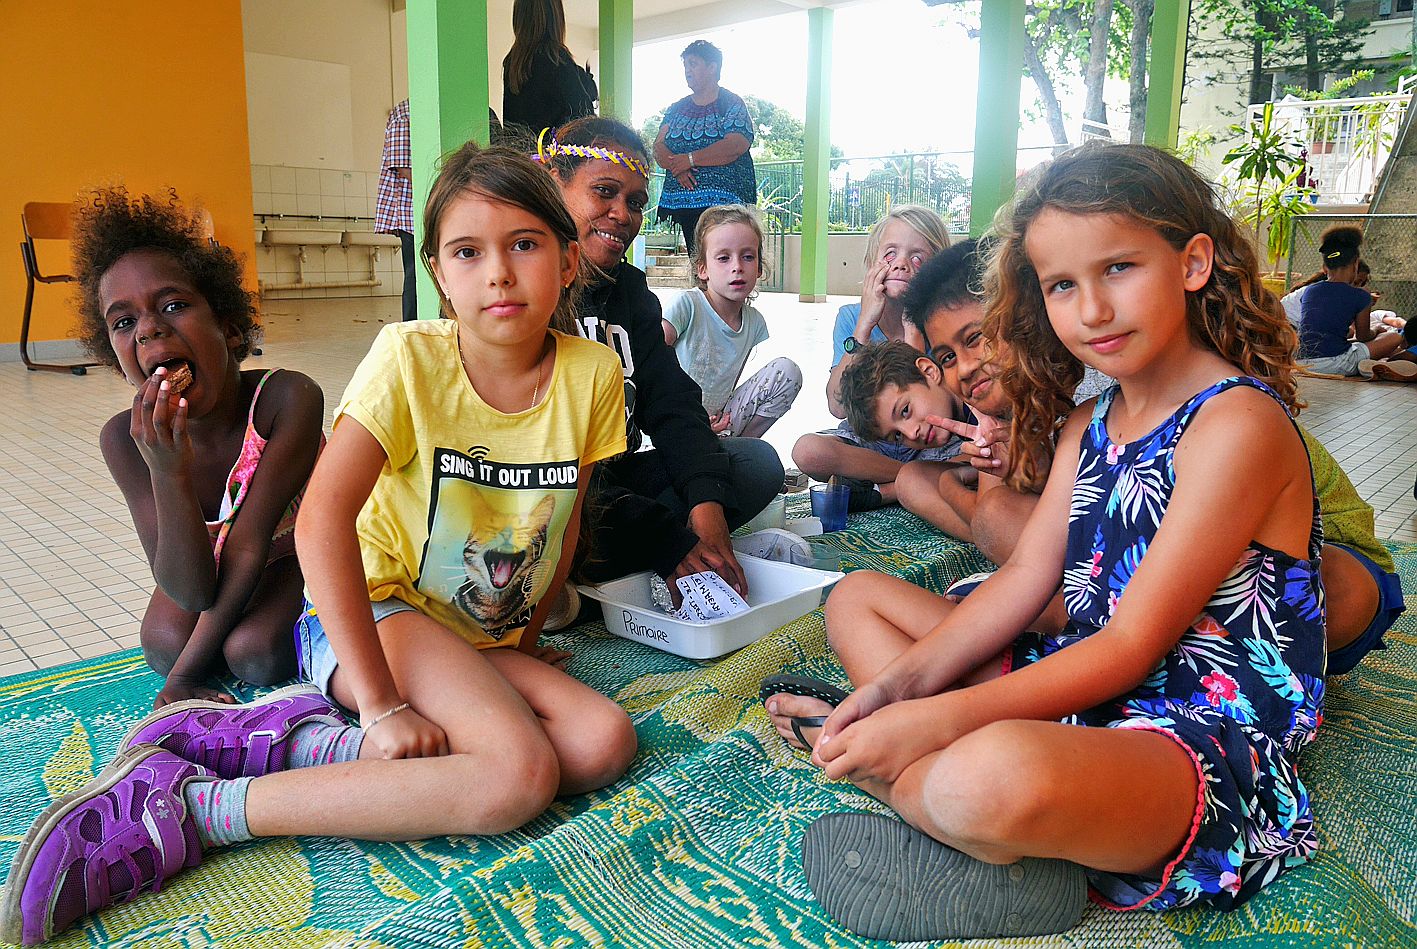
1268	170
1338	90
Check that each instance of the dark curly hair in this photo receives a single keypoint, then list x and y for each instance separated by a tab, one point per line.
109	224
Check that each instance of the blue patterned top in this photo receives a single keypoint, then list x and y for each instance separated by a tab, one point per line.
689	128
1241	691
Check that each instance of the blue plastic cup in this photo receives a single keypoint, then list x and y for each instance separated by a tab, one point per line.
829	504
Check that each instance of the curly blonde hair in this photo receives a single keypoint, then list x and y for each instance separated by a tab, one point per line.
1233	314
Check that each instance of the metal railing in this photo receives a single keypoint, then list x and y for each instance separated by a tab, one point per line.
1345	142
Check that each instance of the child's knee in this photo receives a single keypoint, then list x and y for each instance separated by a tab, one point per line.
917	486
528	779
815	454
852	592
613	747
259	663
162	645
988	788
789	372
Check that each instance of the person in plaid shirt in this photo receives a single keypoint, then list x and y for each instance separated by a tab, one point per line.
394	214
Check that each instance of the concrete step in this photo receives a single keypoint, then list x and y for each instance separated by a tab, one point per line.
681	282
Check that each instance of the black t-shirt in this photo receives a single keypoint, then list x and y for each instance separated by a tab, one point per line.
555	92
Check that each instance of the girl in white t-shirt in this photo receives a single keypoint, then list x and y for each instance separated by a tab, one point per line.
714	327
449	498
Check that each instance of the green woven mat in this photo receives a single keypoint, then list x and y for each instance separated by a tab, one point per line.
699	844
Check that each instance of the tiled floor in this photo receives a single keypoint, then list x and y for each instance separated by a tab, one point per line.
74	582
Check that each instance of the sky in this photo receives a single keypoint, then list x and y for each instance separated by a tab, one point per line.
904	75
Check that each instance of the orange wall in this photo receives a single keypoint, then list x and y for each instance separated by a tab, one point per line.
147	93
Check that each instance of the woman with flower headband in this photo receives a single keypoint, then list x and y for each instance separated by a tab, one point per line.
669	509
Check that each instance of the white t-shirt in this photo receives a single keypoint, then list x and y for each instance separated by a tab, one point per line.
712	354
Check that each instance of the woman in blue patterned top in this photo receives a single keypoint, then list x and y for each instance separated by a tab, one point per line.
703	145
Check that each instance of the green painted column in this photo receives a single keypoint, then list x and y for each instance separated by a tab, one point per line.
617	50
996	115
816	159
1166	72
447	92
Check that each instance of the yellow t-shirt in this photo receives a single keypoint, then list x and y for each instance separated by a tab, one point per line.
466	520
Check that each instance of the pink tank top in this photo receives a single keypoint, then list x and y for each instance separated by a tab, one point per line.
238	482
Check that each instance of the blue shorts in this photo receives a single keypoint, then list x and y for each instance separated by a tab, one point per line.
1390	607
313	652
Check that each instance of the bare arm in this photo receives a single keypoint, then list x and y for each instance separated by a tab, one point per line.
671	335
873	304
569	537
149	455
722	152
286	463
1363	330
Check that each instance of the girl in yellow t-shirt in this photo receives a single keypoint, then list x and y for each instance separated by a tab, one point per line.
449	497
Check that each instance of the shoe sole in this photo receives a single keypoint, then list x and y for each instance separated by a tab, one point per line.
12	922
883	879
1395	371
1365	368
189	705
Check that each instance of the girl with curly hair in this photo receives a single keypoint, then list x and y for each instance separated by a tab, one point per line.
212	459
1193	657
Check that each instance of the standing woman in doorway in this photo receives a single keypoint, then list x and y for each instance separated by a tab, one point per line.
703	145
542	87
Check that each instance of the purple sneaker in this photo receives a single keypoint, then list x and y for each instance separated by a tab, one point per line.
123	833
234	741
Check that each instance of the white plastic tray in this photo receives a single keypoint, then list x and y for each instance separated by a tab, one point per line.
778	593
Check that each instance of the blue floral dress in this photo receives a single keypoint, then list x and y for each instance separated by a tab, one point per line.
689	128
1241	692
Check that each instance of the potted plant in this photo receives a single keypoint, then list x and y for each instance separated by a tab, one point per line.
1270	188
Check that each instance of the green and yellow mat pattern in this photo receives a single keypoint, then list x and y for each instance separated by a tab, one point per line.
698	846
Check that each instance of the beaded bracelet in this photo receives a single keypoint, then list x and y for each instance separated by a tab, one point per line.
391	712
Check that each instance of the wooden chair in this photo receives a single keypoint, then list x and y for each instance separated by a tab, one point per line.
43	220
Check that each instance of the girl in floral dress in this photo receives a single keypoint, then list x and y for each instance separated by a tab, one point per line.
1150	748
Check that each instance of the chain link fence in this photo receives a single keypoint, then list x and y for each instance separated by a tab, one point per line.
1389	248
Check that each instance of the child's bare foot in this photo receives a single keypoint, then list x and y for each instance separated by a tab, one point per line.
799	706
178	689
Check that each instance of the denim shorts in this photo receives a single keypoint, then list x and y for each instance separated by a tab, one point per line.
313	652
1390	607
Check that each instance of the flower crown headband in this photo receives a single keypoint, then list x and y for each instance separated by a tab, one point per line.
546	151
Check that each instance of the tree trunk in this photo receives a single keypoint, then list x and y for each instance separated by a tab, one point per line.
1259	90
1095	109
1137	47
1051	109
1313	71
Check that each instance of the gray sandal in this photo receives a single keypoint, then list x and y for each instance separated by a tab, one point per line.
883	879
807	687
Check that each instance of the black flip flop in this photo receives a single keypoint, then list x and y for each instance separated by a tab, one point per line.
883	879
807	687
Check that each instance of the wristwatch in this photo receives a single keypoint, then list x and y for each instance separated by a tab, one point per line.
850	344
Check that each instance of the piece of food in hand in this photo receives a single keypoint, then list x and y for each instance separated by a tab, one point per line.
179	378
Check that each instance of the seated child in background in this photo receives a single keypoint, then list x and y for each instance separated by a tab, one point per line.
212	460
945	303
714	327
428	563
898	246
1336	335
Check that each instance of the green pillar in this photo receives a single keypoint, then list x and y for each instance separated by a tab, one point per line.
447	92
816	159
1167	70
617	49
996	110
